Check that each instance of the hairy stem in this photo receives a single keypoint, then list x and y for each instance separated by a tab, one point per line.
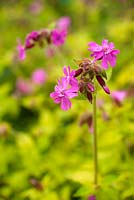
95	142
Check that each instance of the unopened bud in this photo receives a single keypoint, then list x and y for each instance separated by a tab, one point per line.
78	72
89	96
29	46
106	89
100	80
81	87
90	87
102	83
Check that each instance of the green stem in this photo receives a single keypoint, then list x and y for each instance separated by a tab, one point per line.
95	142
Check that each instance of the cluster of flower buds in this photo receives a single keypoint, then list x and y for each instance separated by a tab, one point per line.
87	72
57	37
84	79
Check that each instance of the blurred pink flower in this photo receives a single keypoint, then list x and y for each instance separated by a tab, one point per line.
24	87
63	23
118	96
21	51
36	7
106	53
30	39
39	76
63	93
58	37
92	197
49	52
87	118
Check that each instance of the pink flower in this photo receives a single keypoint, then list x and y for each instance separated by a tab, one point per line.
92	197
58	37
31	38
21	51
63	23
24	87
87	118
63	93
39	76
49	52
36	7
119	96
106	53
69	76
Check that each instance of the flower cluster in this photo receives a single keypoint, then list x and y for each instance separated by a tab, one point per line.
86	77
57	37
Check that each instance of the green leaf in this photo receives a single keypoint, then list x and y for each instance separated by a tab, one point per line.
84	191
104	75
81	97
109	73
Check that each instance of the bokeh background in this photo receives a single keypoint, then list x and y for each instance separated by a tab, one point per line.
44	152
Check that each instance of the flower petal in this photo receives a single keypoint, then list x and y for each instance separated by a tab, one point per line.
111	59
65	103
104	62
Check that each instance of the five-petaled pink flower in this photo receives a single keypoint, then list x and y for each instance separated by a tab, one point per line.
69	76
105	52
63	23
21	51
118	96
63	92
58	37
39	76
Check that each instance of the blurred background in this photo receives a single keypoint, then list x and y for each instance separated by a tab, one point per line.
46	153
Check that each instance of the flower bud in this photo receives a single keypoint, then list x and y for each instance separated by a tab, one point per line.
89	96
78	72
102	83
90	87
81	87
100	80
106	89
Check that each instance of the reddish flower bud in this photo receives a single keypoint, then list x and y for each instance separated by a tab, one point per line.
89	96
29	46
100	80
81	87
102	83
106	89
90	87
78	72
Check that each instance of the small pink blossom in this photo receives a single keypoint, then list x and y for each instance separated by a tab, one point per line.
92	197
105	52
49	52
36	7
63	23
24	87
118	96
69	76
39	76
63	93
58	37
30	39
21	51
